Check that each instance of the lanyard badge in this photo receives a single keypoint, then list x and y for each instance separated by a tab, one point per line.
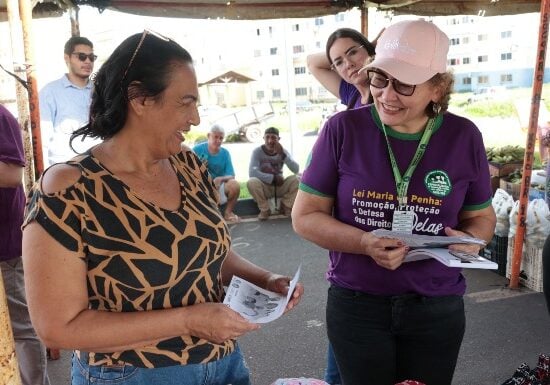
403	219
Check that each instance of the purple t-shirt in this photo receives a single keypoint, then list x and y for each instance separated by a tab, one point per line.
350	163
12	200
348	93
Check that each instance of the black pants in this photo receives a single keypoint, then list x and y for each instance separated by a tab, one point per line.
546	271
384	340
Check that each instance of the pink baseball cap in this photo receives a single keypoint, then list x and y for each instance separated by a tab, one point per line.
411	51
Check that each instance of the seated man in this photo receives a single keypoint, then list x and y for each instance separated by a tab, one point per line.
266	175
218	162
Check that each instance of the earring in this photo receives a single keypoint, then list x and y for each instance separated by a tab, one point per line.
436	108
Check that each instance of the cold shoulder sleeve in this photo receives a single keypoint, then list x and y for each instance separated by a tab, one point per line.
61	214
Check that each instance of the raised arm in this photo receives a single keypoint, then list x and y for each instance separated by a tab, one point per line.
319	66
254	168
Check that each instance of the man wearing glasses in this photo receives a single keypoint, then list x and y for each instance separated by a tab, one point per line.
65	103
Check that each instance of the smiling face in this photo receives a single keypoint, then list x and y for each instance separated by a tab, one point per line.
405	114
77	68
348	57
173	114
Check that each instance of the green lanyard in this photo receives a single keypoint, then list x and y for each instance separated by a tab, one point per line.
402	182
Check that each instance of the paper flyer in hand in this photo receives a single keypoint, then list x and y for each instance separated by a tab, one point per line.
451	258
429	246
418	241
256	304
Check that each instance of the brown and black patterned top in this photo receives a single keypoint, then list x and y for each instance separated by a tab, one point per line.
140	256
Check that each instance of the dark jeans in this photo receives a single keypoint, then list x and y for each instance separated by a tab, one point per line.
384	340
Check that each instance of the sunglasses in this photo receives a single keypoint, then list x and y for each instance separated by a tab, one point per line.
380	80
138	47
82	56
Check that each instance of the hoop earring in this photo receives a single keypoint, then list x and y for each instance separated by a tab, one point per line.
436	108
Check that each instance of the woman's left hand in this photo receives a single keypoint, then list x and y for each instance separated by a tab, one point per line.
280	284
470	249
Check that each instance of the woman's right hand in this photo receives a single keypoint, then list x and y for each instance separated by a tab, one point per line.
216	322
386	252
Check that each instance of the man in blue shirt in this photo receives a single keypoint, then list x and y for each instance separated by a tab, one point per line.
65	103
218	162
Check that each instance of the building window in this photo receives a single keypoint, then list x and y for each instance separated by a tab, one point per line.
301	91
258	32
273	51
465	40
295	27
270	30
465	60
506	56
466	81
275	72
276	94
455	41
454	61
257	53
482	58
482	37
298	49
259	95
299	70
317	44
483	79
506	34
506	78
339	17
319	21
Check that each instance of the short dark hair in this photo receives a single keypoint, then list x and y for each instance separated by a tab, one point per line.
117	82
74	41
354	35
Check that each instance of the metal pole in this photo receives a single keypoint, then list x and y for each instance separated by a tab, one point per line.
75	25
365	21
25	11
9	369
530	144
20	92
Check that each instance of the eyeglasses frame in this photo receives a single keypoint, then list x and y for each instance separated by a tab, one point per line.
333	66
388	81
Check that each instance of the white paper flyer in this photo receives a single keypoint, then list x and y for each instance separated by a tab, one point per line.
256	304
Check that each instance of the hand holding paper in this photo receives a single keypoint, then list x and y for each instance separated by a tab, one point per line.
257	304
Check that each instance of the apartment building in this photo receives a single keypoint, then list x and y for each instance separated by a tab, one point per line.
484	51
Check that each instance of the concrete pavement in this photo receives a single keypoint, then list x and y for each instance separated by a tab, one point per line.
504	327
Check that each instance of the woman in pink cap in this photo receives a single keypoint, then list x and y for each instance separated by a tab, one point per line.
406	164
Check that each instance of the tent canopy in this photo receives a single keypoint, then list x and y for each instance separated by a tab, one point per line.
270	9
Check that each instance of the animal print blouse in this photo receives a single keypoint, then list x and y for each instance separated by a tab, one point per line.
140	256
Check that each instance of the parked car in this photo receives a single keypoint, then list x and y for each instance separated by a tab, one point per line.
488	93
